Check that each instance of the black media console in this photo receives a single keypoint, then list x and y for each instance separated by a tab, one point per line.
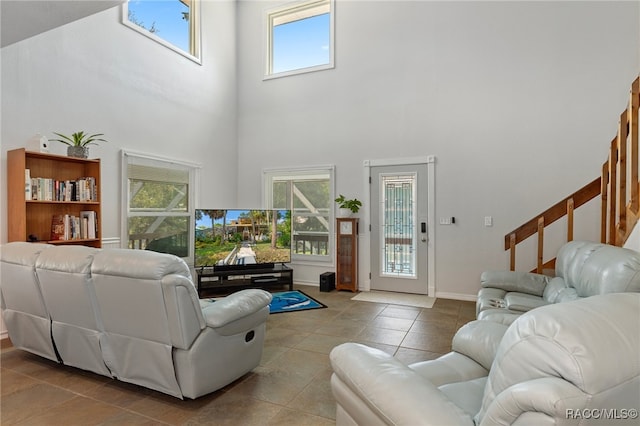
211	281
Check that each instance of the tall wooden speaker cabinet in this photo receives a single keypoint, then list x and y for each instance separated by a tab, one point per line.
347	254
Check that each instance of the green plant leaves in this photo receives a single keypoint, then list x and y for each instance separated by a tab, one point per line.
79	139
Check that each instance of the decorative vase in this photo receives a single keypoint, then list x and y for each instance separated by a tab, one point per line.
78	151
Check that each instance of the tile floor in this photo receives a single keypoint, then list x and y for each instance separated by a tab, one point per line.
291	385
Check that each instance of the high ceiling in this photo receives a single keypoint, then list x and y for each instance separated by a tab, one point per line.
21	19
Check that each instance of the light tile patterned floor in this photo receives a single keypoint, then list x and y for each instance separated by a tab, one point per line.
290	387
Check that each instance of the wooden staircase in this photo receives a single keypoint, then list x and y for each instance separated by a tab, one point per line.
617	187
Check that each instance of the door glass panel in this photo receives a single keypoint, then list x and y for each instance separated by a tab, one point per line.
398	230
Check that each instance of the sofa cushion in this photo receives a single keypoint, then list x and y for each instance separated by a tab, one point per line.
450	367
466	395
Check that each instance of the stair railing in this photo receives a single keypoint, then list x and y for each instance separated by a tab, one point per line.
617	184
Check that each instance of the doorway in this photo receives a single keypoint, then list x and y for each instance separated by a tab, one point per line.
401	241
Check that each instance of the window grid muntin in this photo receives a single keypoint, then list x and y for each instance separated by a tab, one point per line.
275	180
151	168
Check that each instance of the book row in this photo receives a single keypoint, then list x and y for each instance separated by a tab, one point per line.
47	189
71	227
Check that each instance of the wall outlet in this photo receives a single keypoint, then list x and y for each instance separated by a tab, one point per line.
488	221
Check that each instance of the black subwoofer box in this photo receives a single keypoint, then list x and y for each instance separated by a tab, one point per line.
327	281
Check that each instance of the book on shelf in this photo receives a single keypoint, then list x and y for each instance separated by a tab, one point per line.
70	227
89	223
46	189
27	184
57	227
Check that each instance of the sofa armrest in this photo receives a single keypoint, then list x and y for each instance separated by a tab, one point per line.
235	306
390	389
541	400
523	303
479	340
522	282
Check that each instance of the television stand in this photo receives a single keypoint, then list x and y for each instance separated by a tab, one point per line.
211	281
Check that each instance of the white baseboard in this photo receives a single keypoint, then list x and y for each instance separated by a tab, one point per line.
112	242
309	283
456	296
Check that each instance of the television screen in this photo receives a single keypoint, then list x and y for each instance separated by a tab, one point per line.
234	238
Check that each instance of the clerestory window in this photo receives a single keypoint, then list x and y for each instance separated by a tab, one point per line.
300	38
172	23
309	194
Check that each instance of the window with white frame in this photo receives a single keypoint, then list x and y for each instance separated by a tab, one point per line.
309	194
299	38
172	23
159	204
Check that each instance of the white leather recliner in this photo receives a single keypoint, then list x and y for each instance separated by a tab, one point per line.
583	269
574	363
129	314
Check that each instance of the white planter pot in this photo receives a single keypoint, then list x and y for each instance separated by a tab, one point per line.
344	212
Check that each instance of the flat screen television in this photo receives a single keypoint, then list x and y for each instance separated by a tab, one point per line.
232	239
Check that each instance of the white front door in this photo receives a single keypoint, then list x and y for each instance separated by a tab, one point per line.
399	228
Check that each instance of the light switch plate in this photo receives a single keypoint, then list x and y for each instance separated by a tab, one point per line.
445	221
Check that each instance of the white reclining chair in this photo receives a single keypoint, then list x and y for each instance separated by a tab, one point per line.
572	363
583	269
158	334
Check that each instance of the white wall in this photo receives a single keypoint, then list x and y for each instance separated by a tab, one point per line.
504	94
100	76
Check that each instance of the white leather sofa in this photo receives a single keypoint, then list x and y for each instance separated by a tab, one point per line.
574	363
129	314
583	269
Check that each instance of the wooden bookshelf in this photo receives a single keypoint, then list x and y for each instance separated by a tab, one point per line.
33	217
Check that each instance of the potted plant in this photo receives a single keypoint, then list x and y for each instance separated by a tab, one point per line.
347	207
78	143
